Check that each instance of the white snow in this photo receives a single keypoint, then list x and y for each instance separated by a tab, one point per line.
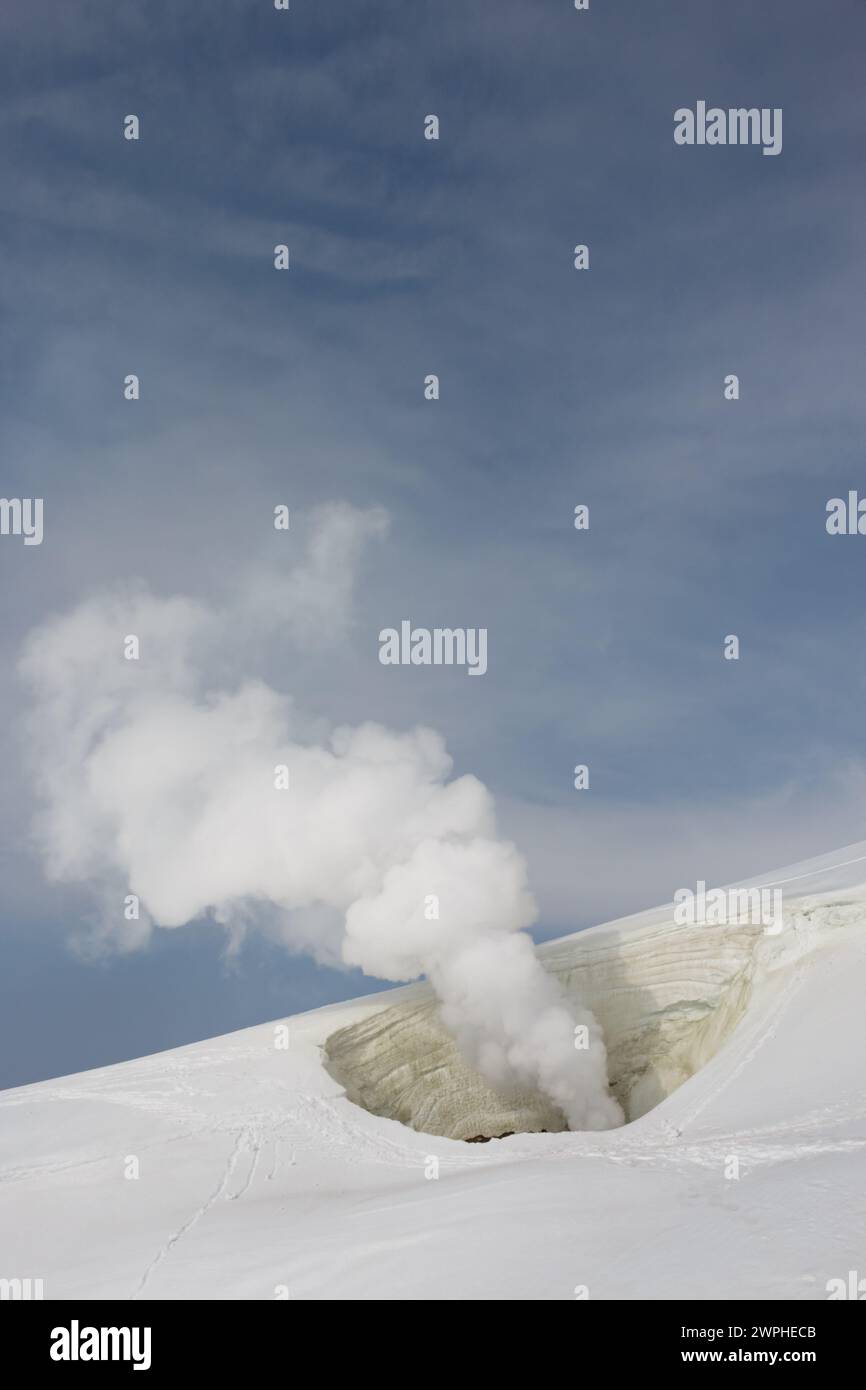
259	1176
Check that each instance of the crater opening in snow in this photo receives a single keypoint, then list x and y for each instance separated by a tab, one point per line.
666	998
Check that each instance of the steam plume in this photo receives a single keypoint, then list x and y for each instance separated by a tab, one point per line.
155	784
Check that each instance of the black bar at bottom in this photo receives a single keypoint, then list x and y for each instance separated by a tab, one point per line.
154	1339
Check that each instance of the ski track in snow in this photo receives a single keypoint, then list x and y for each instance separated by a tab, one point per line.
249	1141
200	1212
748	1042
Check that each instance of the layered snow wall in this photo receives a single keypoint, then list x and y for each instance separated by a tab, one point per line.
666	998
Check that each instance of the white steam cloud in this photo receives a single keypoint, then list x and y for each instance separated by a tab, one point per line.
156	784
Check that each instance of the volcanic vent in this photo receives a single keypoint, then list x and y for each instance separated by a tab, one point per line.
666	997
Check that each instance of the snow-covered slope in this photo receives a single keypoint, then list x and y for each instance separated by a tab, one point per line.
732	1051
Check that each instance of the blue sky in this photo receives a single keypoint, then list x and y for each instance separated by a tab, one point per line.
558	387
